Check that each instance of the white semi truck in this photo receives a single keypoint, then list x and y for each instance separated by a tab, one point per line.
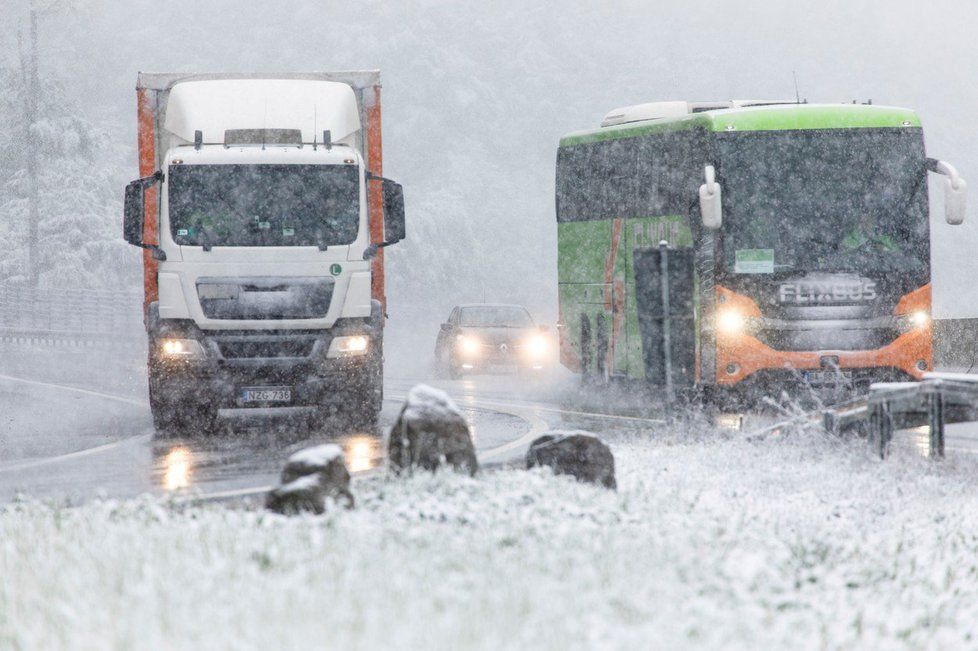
263	215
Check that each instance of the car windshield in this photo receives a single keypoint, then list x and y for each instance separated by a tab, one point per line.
494	316
264	205
829	200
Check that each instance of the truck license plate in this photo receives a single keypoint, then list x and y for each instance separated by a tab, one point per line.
266	394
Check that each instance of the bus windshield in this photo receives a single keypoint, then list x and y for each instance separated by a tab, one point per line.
264	205
851	200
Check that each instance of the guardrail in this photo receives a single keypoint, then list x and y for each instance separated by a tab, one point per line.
70	317
937	400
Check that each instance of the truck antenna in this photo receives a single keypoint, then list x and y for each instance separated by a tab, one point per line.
797	94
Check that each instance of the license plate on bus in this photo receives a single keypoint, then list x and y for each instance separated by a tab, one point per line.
266	394
828	377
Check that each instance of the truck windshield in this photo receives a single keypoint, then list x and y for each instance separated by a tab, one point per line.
827	200
495	316
264	205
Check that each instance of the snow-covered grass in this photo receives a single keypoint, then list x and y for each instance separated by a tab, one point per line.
709	543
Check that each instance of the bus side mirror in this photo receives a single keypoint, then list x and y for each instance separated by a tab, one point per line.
955	191
394	226
134	214
711	208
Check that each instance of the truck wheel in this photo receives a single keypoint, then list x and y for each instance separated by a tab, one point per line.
171	418
205	417
168	418
364	411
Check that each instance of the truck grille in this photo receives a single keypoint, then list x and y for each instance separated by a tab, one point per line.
265	299
265	349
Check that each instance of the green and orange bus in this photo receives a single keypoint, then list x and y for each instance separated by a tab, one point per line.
723	245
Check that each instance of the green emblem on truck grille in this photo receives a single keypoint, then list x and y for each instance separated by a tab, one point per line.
335	269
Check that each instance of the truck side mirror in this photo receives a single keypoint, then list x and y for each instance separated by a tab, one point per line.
711	208
955	191
134	213
394	226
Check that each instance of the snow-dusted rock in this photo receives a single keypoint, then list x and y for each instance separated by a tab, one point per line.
304	495
324	459
310	477
430	431
579	454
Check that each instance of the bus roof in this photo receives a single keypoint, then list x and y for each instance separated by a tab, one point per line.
759	118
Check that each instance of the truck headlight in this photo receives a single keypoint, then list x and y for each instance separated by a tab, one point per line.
181	349
348	346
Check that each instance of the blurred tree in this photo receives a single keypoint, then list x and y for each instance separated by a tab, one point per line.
78	241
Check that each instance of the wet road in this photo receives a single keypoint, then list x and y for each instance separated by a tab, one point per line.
74	425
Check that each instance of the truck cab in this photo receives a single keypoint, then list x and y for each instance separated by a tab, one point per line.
263	244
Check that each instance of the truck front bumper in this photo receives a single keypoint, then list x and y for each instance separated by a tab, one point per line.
233	361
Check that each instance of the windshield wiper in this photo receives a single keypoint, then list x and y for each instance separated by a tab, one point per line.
205	238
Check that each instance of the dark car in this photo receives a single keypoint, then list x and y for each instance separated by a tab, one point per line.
479	338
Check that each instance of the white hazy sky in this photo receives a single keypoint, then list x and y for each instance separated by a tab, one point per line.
476	95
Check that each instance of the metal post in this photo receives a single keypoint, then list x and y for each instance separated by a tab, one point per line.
666	319
885	428
935	417
32	91
830	421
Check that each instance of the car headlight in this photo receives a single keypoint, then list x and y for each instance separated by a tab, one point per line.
348	346
916	320
730	321
536	346
171	348
468	345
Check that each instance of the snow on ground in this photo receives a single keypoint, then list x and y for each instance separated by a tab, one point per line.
709	543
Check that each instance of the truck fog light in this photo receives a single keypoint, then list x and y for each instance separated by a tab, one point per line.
348	346
181	348
732	368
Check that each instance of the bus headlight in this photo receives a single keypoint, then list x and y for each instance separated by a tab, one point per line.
920	318
916	320
468	345
181	349
730	321
348	346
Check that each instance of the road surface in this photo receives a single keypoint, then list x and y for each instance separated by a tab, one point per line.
74	424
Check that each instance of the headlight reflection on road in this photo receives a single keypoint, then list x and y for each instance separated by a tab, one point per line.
176	469
362	453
